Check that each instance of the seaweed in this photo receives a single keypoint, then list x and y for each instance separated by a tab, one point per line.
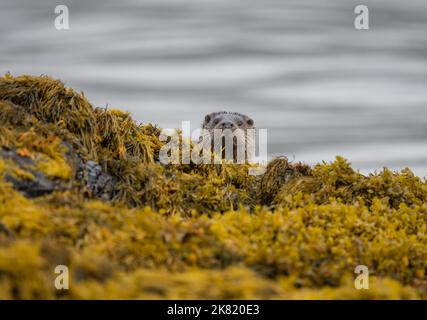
83	186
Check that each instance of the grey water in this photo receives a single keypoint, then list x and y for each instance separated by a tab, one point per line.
319	86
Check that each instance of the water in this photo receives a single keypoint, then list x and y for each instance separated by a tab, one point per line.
299	68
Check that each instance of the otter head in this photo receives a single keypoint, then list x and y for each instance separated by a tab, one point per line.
233	126
227	120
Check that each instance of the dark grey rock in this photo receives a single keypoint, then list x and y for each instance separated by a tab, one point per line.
37	187
89	177
97	183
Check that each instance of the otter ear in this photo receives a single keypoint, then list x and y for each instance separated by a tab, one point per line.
250	122
208	118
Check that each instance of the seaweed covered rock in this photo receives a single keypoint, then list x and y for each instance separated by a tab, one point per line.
280	172
83	187
103	153
339	181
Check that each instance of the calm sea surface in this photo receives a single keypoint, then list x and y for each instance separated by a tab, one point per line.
299	68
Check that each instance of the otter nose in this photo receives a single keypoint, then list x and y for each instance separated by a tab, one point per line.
227	125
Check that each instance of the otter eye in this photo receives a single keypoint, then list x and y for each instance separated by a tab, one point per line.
250	122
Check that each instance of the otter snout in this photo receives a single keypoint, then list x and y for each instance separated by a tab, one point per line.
227	125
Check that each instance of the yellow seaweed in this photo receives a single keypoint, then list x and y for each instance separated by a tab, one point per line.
191	231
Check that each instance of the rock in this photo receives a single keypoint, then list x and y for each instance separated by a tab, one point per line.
97	183
38	186
88	175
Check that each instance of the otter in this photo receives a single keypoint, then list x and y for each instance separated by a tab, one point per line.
230	125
